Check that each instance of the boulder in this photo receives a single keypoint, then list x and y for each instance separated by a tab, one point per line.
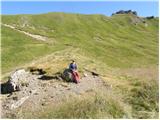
67	75
14	82
85	74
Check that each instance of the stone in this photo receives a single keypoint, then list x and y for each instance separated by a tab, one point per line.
35	93
15	98
85	74
68	89
67	75
14	82
19	102
43	104
64	84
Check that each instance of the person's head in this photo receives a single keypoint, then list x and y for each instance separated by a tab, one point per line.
73	61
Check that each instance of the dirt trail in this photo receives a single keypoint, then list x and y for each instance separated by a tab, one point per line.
44	90
37	37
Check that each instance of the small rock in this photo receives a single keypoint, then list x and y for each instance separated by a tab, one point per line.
56	86
15	98
59	78
64	84
85	74
45	90
35	93
9	95
19	102
43	104
89	90
25	84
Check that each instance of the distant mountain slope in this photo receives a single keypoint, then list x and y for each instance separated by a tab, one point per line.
122	40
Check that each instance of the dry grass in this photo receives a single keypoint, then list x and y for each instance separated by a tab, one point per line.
60	60
150	72
88	105
141	94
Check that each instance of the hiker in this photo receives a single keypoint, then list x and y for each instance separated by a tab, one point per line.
73	68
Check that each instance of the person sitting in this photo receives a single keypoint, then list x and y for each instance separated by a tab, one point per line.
73	68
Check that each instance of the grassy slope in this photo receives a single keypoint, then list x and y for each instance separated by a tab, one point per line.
18	49
95	41
115	41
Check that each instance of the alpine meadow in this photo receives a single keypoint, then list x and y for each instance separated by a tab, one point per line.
117	58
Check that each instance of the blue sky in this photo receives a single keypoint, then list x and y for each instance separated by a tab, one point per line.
144	8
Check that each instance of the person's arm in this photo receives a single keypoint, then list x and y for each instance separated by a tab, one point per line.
76	66
69	66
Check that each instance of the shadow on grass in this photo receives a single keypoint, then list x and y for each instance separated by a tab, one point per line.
47	77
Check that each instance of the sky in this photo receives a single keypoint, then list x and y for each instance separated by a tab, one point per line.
143	8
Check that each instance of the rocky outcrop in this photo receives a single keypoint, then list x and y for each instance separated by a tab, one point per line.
16	80
136	19
150	17
20	79
126	12
43	93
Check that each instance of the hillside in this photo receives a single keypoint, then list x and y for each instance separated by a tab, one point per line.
122	49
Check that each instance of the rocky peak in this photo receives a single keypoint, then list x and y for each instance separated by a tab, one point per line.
150	17
126	12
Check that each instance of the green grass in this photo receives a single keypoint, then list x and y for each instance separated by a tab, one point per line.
18	49
145	99
142	95
113	40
